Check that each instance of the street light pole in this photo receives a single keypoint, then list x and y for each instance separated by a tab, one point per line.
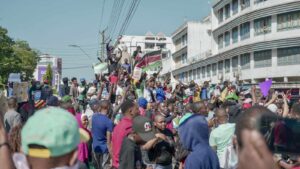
77	46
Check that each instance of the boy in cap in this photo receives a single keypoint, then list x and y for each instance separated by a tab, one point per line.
50	142
142	134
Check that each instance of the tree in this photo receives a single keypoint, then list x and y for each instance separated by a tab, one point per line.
7	58
48	75
16	57
28	57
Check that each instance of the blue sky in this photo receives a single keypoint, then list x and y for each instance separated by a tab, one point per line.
52	25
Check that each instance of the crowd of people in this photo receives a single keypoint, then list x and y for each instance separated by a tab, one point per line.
119	122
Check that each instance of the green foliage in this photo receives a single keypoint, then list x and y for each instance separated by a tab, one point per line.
48	75
16	57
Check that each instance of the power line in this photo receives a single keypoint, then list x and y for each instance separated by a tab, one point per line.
102	12
138	3
129	16
119	11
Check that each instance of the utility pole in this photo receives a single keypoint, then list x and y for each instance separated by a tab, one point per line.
103	45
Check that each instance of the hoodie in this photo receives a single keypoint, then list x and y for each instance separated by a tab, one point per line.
193	133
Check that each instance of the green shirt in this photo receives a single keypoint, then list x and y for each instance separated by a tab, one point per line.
221	137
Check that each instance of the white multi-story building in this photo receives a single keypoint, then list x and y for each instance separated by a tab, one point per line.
192	43
253	40
149	43
56	65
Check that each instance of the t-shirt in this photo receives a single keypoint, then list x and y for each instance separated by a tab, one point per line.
130	155
120	132
113	79
163	151
11	119
221	137
101	124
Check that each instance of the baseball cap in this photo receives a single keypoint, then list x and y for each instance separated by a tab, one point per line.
54	129
143	127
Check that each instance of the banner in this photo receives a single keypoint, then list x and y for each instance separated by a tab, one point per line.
100	68
20	91
137	73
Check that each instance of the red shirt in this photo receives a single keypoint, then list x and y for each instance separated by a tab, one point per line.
113	79
119	133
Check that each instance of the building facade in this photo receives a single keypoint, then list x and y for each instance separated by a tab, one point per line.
149	43
192	43
56	65
254	40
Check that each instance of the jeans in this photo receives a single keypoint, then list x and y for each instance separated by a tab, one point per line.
101	161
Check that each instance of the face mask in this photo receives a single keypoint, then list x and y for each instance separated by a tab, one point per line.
20	162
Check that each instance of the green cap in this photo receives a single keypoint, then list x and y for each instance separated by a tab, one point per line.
53	129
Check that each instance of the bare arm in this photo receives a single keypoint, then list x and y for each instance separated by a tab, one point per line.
253	94
109	145
150	144
274	97
285	107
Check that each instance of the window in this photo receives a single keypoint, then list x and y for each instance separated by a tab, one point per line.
203	72
263	58
235	7
190	75
259	1
288	21
182	76
208	69
214	69
235	35
245	61
245	4
161	45
245	30
149	45
288	56
186	76
227	65
220	15
227	38
194	74
184	58
184	40
220	67
235	63
198	73
262	26
227	11
220	41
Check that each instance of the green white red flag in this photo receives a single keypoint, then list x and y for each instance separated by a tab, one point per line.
150	60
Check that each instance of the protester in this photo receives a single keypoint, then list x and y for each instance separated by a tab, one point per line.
47	91
164	150
41	147
12	118
74	90
221	137
129	110
102	128
83	147
142	133
193	133
65	88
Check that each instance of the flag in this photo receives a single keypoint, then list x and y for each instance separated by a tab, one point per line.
150	60
100	68
265	87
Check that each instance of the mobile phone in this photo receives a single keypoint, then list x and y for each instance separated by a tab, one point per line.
282	135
